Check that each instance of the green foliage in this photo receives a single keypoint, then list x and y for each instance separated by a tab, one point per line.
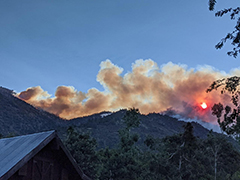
188	138
118	164
151	142
128	152
131	119
180	156
181	150
236	175
83	148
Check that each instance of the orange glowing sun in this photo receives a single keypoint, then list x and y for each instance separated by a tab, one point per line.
204	105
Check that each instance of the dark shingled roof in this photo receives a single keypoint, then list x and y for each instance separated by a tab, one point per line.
16	151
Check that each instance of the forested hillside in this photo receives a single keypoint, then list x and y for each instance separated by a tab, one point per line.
18	118
179	156
129	145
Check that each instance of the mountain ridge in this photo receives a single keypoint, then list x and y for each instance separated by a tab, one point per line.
18	117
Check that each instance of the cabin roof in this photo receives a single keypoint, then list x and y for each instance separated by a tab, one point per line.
16	151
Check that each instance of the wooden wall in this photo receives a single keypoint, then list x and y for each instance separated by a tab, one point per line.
50	163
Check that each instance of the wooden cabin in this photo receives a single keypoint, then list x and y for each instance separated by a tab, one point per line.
39	156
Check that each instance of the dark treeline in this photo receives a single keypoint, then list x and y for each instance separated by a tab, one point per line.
181	156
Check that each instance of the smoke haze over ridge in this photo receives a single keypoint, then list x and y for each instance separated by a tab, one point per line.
170	88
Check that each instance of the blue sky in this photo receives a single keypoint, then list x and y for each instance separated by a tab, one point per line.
52	43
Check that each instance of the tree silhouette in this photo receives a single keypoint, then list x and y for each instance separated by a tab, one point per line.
231	118
234	36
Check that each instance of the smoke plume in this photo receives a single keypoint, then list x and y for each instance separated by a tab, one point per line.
171	88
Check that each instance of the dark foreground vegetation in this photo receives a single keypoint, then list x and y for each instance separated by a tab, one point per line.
123	145
180	156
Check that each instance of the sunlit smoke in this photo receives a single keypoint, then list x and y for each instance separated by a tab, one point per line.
170	88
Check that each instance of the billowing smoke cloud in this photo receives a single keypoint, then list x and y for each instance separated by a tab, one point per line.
169	88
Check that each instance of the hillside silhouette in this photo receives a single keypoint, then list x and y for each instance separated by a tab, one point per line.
18	117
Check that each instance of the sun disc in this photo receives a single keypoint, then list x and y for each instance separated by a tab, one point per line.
204	105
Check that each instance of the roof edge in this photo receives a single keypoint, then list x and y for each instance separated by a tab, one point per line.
26	158
31	154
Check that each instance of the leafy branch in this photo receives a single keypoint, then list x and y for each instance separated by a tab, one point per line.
233	36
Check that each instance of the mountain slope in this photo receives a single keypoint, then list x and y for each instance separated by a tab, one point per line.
105	128
18	117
